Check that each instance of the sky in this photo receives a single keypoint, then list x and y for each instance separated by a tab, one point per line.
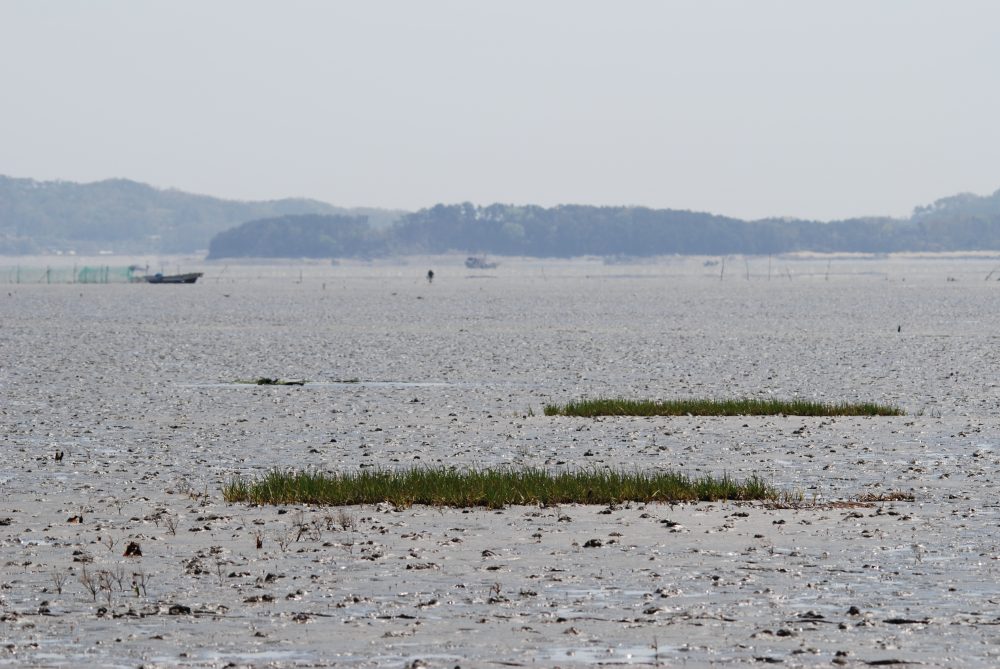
819	109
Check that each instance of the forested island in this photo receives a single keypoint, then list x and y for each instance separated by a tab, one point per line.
130	217
960	223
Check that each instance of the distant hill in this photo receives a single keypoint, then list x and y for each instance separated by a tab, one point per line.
306	236
130	217
959	223
127	216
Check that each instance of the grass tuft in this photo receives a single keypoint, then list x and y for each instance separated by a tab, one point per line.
708	407
491	488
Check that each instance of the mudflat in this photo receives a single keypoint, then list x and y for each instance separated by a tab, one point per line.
121	418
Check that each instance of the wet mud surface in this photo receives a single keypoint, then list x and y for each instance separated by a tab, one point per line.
121	420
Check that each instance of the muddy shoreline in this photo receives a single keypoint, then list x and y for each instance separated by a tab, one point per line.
133	385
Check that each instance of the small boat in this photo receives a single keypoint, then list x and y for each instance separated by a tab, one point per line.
473	262
190	277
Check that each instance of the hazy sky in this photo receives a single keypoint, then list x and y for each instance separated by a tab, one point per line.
771	107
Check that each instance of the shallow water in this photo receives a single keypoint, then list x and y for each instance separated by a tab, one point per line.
134	384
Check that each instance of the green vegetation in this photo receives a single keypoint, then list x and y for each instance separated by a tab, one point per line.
126	216
302	236
708	407
959	223
492	488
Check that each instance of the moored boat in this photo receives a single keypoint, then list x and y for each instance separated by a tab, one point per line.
190	277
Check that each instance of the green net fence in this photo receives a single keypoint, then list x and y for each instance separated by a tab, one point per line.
83	274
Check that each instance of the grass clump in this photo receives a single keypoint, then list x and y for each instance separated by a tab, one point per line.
491	488
710	407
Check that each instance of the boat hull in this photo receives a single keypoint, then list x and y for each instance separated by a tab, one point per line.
191	277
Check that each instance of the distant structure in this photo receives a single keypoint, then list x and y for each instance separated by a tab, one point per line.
430	276
472	262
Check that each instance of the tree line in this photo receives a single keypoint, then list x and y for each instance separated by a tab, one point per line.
952	224
131	217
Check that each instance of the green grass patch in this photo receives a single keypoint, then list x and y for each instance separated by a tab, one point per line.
492	488
708	407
